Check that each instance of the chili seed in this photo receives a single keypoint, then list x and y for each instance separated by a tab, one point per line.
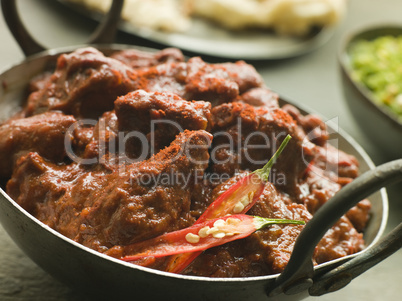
219	234
232	221
238	207
204	232
192	238
219	223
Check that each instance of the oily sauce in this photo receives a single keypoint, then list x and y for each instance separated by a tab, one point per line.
114	150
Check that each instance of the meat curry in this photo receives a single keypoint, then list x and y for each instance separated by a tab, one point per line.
114	150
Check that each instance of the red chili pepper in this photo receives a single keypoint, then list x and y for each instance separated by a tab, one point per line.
238	199
241	196
201	236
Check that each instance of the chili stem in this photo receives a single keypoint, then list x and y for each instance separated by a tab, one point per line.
264	172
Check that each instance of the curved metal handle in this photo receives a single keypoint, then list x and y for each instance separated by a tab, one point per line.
299	272
104	33
345	273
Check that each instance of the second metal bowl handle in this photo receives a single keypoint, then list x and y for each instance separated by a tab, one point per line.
345	273
104	33
298	274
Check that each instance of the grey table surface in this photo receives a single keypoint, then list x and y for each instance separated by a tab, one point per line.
311	79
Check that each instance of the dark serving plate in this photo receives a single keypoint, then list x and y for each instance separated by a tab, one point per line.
205	38
380	124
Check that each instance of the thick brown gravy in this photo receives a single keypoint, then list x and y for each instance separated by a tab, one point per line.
115	150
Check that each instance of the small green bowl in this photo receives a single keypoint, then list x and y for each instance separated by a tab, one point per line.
381	125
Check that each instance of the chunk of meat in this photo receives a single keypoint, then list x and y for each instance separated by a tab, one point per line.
311	125
259	97
44	133
243	74
136	110
360	215
159	116
101	208
37	185
209	82
330	169
341	240
168	77
219	83
99	144
197	80
136	58
316	188
85	84
328	160
245	138
314	191
142	124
